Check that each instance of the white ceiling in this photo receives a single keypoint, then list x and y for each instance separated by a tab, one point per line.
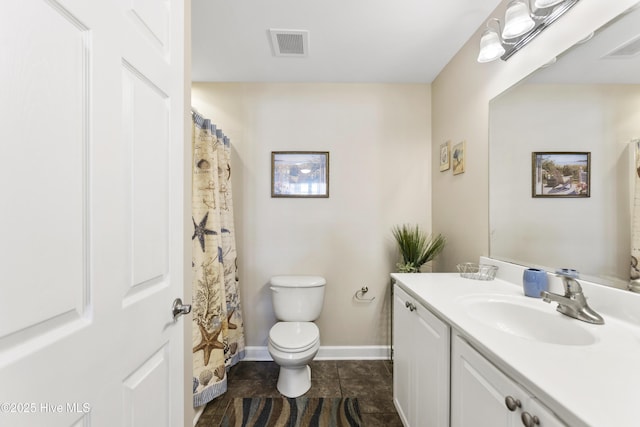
403	41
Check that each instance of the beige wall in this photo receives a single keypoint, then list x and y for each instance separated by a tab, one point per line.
460	105
378	136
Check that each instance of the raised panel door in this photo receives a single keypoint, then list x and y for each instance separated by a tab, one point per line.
92	177
431	370
479	391
403	326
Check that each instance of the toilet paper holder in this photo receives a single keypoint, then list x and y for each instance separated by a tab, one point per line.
359	295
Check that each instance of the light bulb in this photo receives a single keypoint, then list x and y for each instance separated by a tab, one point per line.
490	46
541	4
518	20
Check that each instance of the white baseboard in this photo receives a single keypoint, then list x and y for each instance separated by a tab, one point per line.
256	354
197	412
361	352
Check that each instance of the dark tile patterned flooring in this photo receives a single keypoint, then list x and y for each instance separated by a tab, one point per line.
368	380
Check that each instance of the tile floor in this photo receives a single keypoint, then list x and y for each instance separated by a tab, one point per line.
368	380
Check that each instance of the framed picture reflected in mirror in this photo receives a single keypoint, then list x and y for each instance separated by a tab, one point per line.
560	174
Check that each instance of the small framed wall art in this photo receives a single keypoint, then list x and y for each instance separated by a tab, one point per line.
457	156
560	174
444	156
299	174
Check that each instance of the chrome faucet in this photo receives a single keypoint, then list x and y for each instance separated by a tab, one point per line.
572	303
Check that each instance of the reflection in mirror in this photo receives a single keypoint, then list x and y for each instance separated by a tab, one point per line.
586	101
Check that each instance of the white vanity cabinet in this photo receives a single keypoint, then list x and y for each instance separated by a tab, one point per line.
421	350
481	395
506	347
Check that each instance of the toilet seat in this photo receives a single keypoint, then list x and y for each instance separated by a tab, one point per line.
294	337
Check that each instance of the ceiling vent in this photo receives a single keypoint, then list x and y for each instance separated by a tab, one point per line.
626	50
289	42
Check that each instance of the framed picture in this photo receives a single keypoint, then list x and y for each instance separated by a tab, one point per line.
299	174
560	174
444	156
457	156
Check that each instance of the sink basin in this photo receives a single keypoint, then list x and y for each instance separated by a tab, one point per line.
514	316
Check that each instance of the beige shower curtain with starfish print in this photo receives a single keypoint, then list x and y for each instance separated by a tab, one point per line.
218	331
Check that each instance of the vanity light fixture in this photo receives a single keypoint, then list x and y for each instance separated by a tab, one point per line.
541	4
523	21
517	20
490	43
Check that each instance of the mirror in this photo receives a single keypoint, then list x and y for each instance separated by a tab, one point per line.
588	100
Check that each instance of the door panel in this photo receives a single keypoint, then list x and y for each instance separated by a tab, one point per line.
92	177
403	335
146	392
432	368
44	268
479	390
153	19
145	126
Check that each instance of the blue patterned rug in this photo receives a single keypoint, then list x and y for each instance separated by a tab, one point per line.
299	412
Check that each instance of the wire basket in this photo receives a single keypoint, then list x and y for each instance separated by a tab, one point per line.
471	270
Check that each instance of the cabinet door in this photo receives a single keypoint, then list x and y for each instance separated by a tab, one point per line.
431	373
420	365
402	354
545	417
479	391
482	395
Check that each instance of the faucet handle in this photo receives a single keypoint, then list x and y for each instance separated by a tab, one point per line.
568	272
569	280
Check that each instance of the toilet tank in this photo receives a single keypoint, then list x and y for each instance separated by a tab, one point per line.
297	298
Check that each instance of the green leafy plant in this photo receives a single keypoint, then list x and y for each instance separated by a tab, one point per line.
416	247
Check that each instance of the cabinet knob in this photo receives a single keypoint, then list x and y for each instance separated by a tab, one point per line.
529	420
411	306
513	404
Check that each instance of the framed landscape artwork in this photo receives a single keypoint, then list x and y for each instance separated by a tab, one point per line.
560	174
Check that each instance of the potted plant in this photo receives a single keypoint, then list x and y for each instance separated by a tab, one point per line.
416	247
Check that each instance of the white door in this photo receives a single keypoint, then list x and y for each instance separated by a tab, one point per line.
92	212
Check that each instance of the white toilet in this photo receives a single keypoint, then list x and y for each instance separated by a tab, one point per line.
295	339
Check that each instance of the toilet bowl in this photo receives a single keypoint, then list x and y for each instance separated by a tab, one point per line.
294	340
292	345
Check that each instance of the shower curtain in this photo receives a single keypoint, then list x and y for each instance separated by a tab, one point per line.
634	277
218	330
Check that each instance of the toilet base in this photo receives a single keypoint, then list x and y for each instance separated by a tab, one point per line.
294	381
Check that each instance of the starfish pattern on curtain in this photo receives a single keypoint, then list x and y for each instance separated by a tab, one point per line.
218	330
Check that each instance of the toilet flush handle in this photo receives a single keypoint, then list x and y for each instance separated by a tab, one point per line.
274	289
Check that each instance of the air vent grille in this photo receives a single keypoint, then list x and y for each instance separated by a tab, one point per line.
626	50
289	42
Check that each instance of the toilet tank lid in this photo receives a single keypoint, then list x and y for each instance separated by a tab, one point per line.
298	281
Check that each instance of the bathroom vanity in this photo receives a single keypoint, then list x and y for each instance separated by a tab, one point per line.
469	352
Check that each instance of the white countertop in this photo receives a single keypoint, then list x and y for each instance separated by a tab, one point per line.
585	385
